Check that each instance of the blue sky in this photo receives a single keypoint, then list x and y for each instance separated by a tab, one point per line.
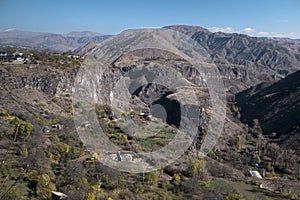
253	17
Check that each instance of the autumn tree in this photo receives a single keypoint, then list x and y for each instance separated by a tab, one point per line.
256	129
260	144
273	151
288	157
240	141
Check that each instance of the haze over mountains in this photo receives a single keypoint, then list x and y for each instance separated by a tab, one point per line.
52	41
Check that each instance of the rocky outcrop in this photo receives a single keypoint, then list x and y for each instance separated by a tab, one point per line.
50	81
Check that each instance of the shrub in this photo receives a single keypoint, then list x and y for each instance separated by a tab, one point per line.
233	196
271	175
25	129
90	196
205	184
55	99
69	109
176	179
152	178
5	113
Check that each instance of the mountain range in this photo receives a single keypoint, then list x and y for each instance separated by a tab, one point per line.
52	41
246	61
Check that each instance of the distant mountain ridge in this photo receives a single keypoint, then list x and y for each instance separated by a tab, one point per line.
52	41
83	34
245	61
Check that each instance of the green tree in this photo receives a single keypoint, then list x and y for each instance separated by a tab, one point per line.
25	129
152	179
14	190
197	165
44	187
16	121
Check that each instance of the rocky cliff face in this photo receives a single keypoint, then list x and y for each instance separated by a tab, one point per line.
48	80
139	67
